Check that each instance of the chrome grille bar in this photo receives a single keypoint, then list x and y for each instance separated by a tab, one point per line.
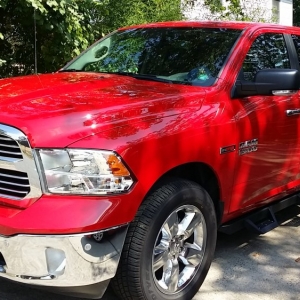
9	148
15	184
11	197
18	173
13	176
10	152
14	191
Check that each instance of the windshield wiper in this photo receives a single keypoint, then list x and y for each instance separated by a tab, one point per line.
134	75
159	79
147	77
152	77
127	73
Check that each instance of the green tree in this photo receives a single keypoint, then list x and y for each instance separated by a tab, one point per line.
59	30
238	10
63	28
129	12
296	12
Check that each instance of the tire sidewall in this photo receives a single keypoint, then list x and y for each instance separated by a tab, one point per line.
185	196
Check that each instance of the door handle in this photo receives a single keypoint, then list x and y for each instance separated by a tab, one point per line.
293	112
284	92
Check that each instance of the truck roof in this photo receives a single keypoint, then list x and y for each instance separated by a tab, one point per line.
212	24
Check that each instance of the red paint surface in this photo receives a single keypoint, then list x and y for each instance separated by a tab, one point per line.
154	127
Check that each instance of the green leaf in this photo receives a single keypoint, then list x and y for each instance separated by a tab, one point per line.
52	3
66	27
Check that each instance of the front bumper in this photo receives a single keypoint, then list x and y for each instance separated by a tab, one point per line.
67	264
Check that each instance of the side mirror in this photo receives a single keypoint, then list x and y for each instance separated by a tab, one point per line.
267	82
101	52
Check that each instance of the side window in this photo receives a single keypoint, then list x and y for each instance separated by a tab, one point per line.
296	40
268	51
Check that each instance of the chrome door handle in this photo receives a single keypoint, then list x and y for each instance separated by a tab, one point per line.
284	92
292	112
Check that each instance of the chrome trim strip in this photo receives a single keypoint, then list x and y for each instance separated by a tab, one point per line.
293	112
74	234
46	277
284	92
26	165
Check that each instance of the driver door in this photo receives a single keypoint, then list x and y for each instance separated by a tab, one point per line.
266	134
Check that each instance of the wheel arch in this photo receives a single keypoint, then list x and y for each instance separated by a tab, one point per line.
199	173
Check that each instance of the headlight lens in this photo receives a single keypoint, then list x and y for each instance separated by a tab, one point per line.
78	171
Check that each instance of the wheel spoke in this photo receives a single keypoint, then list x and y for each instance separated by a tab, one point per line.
174	276
194	254
171	225
185	275
171	275
189	224
183	260
166	234
160	260
161	247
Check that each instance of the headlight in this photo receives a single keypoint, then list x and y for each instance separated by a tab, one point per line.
90	172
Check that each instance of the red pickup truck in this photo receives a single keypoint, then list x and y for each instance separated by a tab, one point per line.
121	167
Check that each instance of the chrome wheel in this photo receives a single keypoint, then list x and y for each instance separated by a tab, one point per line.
179	249
169	245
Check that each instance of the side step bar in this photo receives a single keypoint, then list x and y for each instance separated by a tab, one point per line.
262	220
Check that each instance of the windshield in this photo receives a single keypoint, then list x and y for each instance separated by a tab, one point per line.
192	56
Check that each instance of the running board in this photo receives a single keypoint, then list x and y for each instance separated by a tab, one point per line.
262	220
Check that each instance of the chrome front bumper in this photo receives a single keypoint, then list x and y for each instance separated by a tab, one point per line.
62	262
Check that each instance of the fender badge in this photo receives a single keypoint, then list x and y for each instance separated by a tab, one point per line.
227	149
248	146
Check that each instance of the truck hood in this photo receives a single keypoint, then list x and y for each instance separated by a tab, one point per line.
56	110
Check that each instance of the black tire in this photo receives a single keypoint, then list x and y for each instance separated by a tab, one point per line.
137	277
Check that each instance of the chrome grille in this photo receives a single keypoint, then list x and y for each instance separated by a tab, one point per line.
19	178
9	148
14	184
